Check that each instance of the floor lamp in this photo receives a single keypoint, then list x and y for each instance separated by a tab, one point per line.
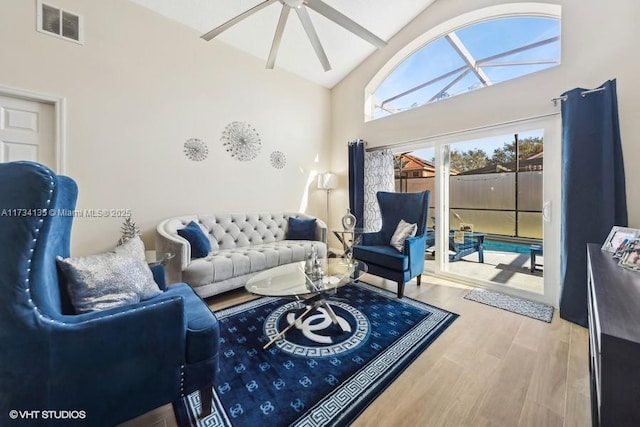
327	181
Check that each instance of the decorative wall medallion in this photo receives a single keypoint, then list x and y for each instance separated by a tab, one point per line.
196	150
278	159
241	141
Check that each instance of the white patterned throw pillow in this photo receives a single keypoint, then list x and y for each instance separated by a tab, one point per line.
112	279
403	230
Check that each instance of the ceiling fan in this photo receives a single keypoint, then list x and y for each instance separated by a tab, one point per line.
300	6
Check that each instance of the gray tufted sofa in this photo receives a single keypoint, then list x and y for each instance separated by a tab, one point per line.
242	245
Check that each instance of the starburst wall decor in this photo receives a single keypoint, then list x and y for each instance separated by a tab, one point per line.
242	141
278	159
196	150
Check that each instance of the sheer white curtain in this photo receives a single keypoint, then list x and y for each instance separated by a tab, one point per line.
378	176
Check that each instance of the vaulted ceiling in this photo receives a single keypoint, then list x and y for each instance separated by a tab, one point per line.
255	34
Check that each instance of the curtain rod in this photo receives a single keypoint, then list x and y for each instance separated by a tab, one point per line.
583	93
411	142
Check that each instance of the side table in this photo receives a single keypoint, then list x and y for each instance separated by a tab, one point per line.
348	239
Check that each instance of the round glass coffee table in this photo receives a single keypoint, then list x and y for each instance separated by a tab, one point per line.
290	280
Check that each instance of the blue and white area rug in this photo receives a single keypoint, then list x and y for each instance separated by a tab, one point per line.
317	375
532	309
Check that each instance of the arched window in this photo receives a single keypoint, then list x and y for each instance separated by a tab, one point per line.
465	57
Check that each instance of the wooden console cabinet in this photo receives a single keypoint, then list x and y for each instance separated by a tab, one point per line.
614	340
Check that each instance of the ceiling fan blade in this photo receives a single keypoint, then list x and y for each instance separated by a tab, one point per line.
230	23
348	24
313	37
278	36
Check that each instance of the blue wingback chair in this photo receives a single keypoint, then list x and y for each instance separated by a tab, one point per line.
384	260
114	364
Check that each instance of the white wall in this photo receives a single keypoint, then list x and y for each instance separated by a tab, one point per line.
599	42
139	87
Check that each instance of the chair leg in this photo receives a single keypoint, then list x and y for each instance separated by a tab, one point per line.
400	289
418	279
206	396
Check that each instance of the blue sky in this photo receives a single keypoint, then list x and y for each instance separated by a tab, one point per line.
482	40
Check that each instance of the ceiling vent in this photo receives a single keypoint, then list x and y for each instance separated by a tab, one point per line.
59	23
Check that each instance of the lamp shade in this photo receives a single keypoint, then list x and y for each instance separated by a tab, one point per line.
327	181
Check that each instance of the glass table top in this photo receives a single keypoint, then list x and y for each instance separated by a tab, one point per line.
290	279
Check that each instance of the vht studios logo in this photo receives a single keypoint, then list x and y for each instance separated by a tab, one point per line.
35	414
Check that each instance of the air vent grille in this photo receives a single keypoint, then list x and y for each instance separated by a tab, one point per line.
60	23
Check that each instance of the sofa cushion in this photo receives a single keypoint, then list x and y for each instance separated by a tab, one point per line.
203	335
228	263
301	229
200	244
229	231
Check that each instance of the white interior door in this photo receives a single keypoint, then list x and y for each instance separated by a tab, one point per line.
27	131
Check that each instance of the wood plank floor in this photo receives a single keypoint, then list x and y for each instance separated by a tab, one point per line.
489	368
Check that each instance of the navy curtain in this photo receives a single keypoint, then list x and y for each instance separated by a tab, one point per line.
593	187
356	181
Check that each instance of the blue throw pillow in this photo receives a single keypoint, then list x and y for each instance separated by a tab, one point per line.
157	270
200	244
301	229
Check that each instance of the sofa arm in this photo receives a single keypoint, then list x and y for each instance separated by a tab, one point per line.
177	246
320	234
414	248
415	245
321	231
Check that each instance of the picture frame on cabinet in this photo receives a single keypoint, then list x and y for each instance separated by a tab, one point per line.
617	236
631	257
622	249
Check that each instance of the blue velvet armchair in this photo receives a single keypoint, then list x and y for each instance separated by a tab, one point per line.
108	366
383	259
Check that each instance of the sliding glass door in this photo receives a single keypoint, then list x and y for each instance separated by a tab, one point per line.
495	209
493	193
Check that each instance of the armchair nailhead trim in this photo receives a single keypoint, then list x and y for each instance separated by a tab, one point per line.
27	288
182	380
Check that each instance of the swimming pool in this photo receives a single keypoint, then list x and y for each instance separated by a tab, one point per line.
494	245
